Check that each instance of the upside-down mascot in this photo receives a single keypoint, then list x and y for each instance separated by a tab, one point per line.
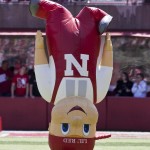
76	74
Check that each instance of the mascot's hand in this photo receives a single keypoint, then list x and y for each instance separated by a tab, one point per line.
107	56
39	41
40	55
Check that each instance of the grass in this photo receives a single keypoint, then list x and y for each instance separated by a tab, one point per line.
41	143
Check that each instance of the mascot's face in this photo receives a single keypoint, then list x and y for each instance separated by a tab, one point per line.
74	117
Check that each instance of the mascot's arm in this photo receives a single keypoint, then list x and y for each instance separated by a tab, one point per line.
42	69
105	69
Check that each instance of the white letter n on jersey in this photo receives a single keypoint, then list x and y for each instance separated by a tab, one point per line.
71	60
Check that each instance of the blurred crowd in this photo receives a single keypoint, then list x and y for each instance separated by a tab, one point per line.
17	81
125	86
20	81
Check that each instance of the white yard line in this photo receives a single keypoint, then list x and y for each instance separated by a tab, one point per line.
45	134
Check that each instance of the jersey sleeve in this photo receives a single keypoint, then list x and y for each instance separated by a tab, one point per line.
102	17
41	8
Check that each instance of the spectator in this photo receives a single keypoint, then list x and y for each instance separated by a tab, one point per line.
124	86
20	85
139	88
17	66
33	89
5	79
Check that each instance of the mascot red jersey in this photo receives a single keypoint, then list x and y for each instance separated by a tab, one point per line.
74	48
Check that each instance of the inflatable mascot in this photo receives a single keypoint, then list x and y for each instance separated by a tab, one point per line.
76	74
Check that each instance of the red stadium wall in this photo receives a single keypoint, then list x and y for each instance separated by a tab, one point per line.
101	107
0	123
128	114
23	114
125	17
115	113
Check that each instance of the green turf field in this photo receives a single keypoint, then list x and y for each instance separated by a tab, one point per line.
19	143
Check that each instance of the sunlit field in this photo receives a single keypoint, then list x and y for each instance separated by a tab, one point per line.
41	143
